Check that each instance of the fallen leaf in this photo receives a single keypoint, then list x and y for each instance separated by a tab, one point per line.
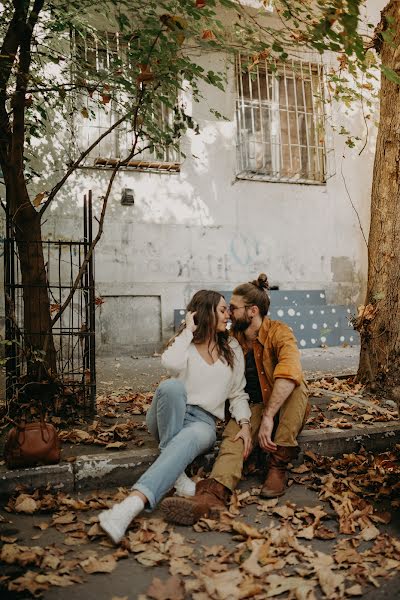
369	533
150	558
105	564
246	530
26	504
284	511
354	590
223	585
332	584
171	589
306	533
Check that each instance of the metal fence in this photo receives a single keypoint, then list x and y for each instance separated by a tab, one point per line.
73	333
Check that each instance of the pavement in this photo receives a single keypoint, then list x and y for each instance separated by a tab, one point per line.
59	553
84	467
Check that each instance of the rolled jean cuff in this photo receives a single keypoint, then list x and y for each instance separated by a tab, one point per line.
146	492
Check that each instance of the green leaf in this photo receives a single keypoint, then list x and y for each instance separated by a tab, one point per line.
390	74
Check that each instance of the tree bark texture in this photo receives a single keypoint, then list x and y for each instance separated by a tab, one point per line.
16	53
380	335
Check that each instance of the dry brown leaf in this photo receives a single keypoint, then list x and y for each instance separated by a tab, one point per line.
332	584
301	469
354	590
26	504
251	564
42	526
286	512
246	530
179	566
323	533
28	582
223	585
64	519
150	558
50	561
22	555
8	539
266	505
171	589
38	199
369	533
307	533
104	564
116	445
95	530
278	584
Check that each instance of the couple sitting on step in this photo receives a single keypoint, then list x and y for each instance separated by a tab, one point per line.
257	368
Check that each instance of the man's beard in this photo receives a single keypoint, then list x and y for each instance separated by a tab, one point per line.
241	324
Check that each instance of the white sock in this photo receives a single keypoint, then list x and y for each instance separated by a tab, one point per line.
184	486
116	520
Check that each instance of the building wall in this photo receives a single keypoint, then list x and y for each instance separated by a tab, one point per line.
203	228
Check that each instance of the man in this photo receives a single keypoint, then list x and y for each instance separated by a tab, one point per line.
278	402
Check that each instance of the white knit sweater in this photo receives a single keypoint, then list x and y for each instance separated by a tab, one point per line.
208	386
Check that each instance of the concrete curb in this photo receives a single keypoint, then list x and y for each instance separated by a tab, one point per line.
108	470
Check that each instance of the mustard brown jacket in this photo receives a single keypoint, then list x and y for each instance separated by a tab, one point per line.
276	355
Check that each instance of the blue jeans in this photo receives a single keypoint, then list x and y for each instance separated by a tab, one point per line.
184	431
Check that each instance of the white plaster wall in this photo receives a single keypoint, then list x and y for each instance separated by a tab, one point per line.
203	228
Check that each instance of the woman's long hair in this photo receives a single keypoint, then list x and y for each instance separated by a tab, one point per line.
204	303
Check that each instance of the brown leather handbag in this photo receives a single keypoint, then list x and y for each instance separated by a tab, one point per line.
31	444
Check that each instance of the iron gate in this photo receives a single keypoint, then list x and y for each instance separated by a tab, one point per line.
73	333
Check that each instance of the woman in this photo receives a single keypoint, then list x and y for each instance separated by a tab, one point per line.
209	367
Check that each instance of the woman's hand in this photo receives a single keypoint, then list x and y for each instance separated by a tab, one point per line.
245	435
189	320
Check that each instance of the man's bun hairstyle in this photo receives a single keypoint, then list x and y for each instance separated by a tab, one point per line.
255	293
261	282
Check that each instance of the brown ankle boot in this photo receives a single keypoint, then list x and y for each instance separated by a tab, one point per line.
275	483
211	497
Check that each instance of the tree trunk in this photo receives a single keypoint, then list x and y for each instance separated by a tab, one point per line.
38	339
380	324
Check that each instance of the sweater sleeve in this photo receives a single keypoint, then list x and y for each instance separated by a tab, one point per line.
175	357
238	398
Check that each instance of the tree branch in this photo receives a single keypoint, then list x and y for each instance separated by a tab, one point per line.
76	164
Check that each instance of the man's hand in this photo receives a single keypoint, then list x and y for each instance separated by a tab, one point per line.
265	433
245	435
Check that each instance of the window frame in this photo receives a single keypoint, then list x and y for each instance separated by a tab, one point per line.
271	102
147	161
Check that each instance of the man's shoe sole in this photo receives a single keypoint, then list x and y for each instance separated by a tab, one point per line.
269	494
181	510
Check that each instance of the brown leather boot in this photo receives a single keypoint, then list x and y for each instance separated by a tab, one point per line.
275	483
211	497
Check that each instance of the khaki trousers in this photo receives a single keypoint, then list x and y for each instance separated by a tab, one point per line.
292	417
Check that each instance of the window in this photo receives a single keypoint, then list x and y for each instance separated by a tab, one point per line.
280	121
97	56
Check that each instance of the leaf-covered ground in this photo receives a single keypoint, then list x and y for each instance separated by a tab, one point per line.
334	535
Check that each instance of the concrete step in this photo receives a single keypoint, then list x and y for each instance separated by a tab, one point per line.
316	326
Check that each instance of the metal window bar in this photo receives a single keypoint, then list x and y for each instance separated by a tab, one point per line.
73	334
264	149
118	143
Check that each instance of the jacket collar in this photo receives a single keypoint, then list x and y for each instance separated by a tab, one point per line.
264	329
